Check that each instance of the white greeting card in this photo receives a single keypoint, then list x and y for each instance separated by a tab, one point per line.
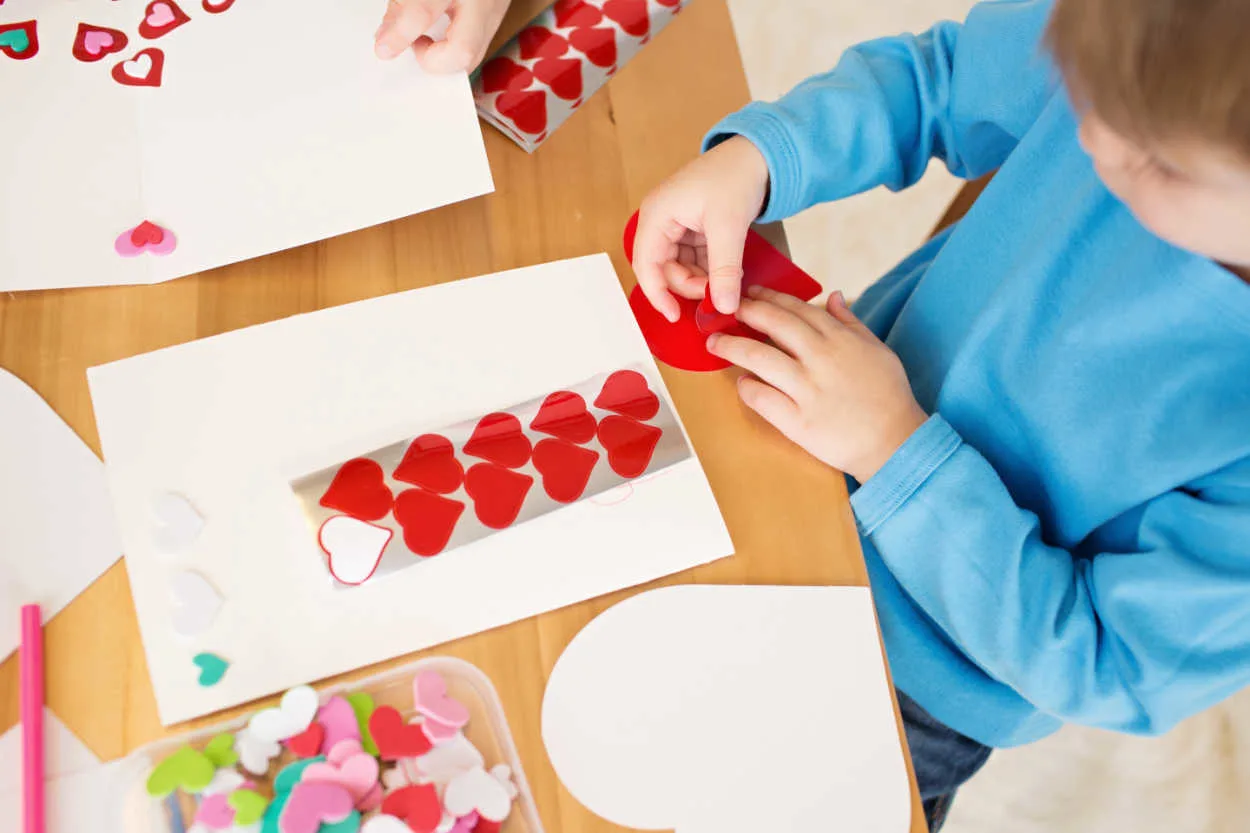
229	421
232	129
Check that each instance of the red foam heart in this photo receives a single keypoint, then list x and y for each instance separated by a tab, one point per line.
151	78
540	42
394	738
562	75
430	462
487	826
626	392
502	73
629	444
577	13
217	6
630	14
526	108
102	40
417	805
565	468
497	493
308	742
146	234
160	18
564	415
359	489
427	520
28	27
499	439
598	45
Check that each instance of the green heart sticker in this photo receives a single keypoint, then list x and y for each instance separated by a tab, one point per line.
186	768
363	705
249	806
220	750
212	668
16	40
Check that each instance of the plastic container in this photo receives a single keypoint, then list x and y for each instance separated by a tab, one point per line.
487	729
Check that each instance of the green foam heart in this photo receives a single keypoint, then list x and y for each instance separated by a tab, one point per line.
212	668
249	806
220	750
289	775
15	39
186	768
363	705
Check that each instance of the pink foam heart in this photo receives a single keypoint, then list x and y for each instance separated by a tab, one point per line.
215	812
465	824
313	803
95	42
431	700
357	774
161	15
372	799
339	721
343	750
438	732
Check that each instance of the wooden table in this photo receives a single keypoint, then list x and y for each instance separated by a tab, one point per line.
788	515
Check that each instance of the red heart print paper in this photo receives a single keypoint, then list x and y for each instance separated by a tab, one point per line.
429	494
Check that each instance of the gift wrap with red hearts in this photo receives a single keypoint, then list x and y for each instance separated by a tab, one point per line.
544	74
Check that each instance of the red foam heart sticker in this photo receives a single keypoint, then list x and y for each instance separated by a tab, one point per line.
526	108
630	14
499	439
359	489
394	738
564	415
146	234
562	75
20	41
499	74
486	826
597	44
92	43
540	42
497	493
430	462
565	468
629	444
427	519
308	742
145	69
626	392
161	18
576	13
417	805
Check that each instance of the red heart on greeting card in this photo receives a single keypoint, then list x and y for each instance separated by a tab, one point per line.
540	42
563	414
93	43
565	468
626	392
430	462
427	519
562	75
526	108
629	444
630	14
497	493
308	742
145	69
502	73
394	738
576	13
417	805
498	438
597	44
359	489
161	18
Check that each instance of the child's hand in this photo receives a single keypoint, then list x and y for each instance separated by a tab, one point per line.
830	385
473	24
693	228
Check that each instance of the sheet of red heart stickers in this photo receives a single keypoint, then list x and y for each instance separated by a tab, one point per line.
544	74
395	507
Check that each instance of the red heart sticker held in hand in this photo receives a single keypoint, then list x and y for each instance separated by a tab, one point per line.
527	109
427	520
308	742
629	444
630	14
597	44
562	75
359	489
497	493
499	74
626	392
565	468
394	738
417	805
499	439
564	415
430	462
540	42
576	13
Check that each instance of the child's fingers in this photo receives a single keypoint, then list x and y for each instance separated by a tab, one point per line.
792	332
405	22
771	404
765	361
655	244
725	241
815	317
681	279
464	44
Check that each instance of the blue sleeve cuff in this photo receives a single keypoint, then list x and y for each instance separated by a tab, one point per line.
764	129
903	474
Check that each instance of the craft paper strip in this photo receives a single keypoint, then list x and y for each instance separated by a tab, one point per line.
230	421
131	158
543	75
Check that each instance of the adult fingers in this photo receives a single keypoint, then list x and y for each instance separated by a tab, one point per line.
465	43
405	22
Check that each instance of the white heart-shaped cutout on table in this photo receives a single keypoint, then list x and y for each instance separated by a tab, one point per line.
383	823
291	716
477	791
648	715
138	67
353	547
176	523
449	759
254	753
196	603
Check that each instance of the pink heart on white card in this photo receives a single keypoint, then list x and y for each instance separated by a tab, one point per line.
95	42
354	547
477	791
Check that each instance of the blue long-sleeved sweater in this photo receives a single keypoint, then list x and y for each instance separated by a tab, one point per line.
1068	537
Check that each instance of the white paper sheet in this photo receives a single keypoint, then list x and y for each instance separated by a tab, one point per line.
705	709
275	126
229	420
57	533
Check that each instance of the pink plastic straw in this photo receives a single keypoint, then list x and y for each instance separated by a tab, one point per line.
31	707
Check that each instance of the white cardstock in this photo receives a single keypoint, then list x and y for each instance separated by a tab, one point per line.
230	420
275	125
706	709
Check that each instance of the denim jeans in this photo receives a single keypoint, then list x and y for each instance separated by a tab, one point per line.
943	759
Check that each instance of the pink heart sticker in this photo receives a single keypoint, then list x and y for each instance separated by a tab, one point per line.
339	720
95	42
313	803
215	812
431	700
437	731
357	774
161	15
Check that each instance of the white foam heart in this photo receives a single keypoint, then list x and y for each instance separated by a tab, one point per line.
290	717
383	823
503	774
196	603
477	791
446	823
649	714
354	547
176	523
449	759
224	781
138	67
255	753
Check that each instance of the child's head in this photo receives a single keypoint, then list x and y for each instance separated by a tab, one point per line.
1164	86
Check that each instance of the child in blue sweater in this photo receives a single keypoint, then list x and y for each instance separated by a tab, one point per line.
1045	411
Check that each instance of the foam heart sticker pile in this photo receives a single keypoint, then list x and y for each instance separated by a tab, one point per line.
426	776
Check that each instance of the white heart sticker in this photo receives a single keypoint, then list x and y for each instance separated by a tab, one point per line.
354	547
196	603
176	524
254	753
503	774
287	719
477	791
449	759
383	823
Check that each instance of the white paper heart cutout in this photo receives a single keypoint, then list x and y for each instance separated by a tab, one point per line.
290	717
648	714
254	753
196	603
354	547
477	791
176	524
